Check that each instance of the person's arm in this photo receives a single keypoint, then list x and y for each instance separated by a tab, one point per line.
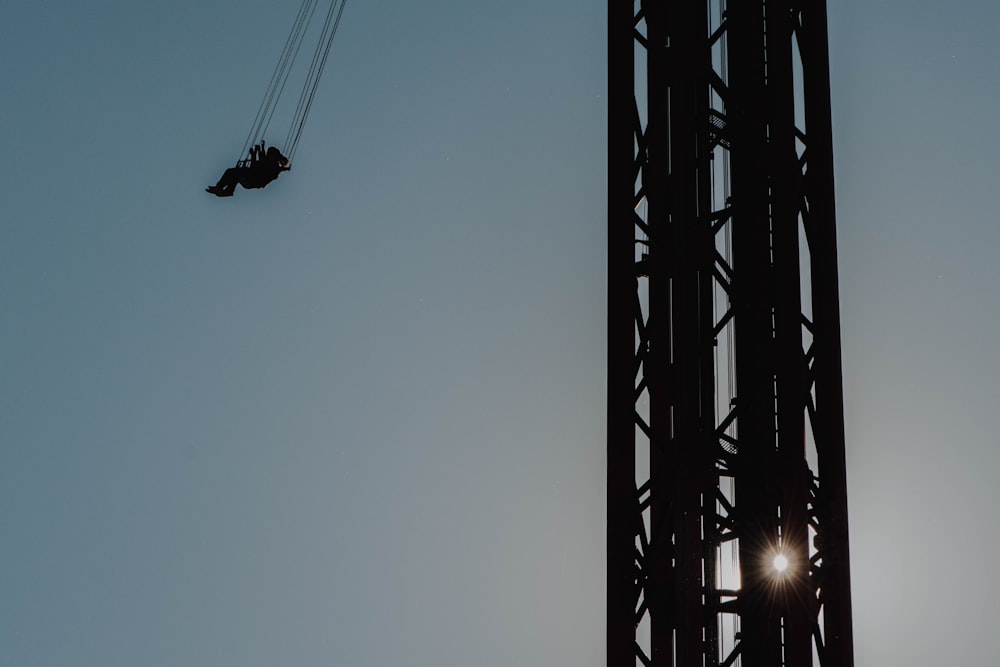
256	153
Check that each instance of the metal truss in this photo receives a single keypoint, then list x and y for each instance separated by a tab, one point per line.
725	403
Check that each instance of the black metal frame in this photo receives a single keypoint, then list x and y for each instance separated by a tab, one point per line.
725	405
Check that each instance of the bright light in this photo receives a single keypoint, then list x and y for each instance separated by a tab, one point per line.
780	563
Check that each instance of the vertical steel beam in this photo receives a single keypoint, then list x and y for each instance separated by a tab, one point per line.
753	282
665	599
794	596
621	491
835	584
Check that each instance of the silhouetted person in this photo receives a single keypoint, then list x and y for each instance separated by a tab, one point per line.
256	172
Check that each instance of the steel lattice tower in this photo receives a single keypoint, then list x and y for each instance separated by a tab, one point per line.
725	400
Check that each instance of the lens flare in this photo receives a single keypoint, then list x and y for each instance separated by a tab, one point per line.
780	563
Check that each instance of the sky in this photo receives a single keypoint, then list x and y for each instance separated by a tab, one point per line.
914	103
357	418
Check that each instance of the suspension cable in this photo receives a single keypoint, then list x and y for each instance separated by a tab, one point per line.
283	69
316	67
279	78
299	39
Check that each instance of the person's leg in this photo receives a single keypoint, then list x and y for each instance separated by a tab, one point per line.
227	184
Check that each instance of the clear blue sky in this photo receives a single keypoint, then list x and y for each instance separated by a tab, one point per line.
358	418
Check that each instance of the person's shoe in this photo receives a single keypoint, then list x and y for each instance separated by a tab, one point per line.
215	190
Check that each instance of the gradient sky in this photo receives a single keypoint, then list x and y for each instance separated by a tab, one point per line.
358	418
